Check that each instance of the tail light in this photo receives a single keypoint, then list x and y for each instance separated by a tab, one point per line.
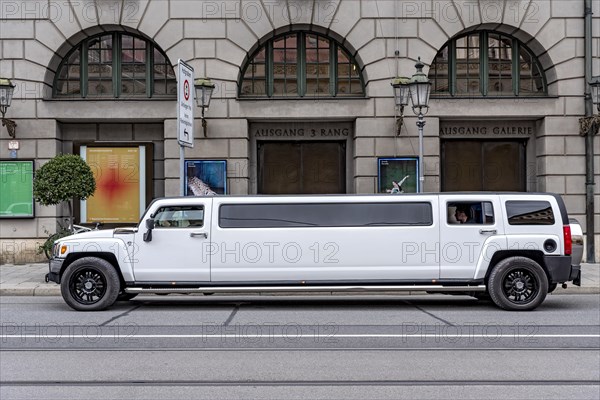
567	239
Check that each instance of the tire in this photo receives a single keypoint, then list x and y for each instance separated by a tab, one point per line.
124	296
518	284
90	284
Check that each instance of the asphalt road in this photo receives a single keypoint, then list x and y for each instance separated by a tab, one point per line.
273	347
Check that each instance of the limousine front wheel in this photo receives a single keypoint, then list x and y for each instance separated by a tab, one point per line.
518	283
90	284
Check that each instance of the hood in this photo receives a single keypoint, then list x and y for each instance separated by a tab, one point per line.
103	233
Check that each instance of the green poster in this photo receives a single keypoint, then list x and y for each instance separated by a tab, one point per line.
398	175
16	189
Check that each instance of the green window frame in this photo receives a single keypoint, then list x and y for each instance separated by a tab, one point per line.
115	65
301	64
487	64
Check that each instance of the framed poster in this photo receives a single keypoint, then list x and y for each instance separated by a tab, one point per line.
398	175
120	184
16	189
205	177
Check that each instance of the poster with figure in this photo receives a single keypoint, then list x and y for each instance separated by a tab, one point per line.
398	175
16	189
205	177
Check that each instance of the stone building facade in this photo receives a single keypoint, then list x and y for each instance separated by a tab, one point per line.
485	129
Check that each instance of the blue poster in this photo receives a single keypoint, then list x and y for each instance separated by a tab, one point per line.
205	177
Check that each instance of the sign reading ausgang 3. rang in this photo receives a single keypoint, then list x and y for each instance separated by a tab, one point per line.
185	106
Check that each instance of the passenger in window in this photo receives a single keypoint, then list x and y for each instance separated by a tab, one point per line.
163	223
463	214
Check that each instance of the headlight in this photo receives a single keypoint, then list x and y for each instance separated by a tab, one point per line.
55	250
58	249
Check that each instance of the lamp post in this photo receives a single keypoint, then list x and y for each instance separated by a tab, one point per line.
6	94
589	127
591	123
401	98
420	88
204	90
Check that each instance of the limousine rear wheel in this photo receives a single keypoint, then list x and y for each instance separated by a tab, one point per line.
518	283
90	284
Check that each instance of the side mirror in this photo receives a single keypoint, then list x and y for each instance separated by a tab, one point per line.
149	226
150	223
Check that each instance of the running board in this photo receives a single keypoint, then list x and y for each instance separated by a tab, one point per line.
246	289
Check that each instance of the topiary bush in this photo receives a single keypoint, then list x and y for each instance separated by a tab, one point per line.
63	178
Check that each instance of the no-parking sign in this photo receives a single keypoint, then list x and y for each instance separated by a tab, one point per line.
185	106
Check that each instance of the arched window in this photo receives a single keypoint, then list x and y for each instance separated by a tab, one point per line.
486	64
115	64
301	64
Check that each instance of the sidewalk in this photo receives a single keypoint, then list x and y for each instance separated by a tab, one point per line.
28	280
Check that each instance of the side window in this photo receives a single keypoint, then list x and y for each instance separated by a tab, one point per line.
325	215
465	212
529	213
179	217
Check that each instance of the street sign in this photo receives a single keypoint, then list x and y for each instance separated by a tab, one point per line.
185	106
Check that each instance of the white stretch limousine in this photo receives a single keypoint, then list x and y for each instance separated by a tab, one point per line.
513	247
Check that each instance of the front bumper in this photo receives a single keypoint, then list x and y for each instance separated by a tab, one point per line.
55	266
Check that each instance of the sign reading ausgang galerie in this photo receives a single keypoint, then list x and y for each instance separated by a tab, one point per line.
484	129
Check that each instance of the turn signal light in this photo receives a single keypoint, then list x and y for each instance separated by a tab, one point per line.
63	249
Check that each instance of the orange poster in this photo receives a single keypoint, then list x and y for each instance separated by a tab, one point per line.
117	174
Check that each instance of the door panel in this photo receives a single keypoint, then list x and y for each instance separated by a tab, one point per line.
465	248
327	253
462	166
503	166
279	168
177	251
301	167
480	165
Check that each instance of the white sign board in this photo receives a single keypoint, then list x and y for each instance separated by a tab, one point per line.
185	105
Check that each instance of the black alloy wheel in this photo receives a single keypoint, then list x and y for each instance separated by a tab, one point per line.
518	284
88	286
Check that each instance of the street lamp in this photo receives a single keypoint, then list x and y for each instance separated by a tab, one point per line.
401	98
420	88
204	90
591	124
595	85
6	94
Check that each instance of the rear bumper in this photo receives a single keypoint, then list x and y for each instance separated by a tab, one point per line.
560	269
575	275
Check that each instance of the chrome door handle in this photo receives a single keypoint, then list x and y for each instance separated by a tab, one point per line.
484	231
199	234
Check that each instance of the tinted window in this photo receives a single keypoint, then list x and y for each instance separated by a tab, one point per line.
529	213
331	214
179	217
481	213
